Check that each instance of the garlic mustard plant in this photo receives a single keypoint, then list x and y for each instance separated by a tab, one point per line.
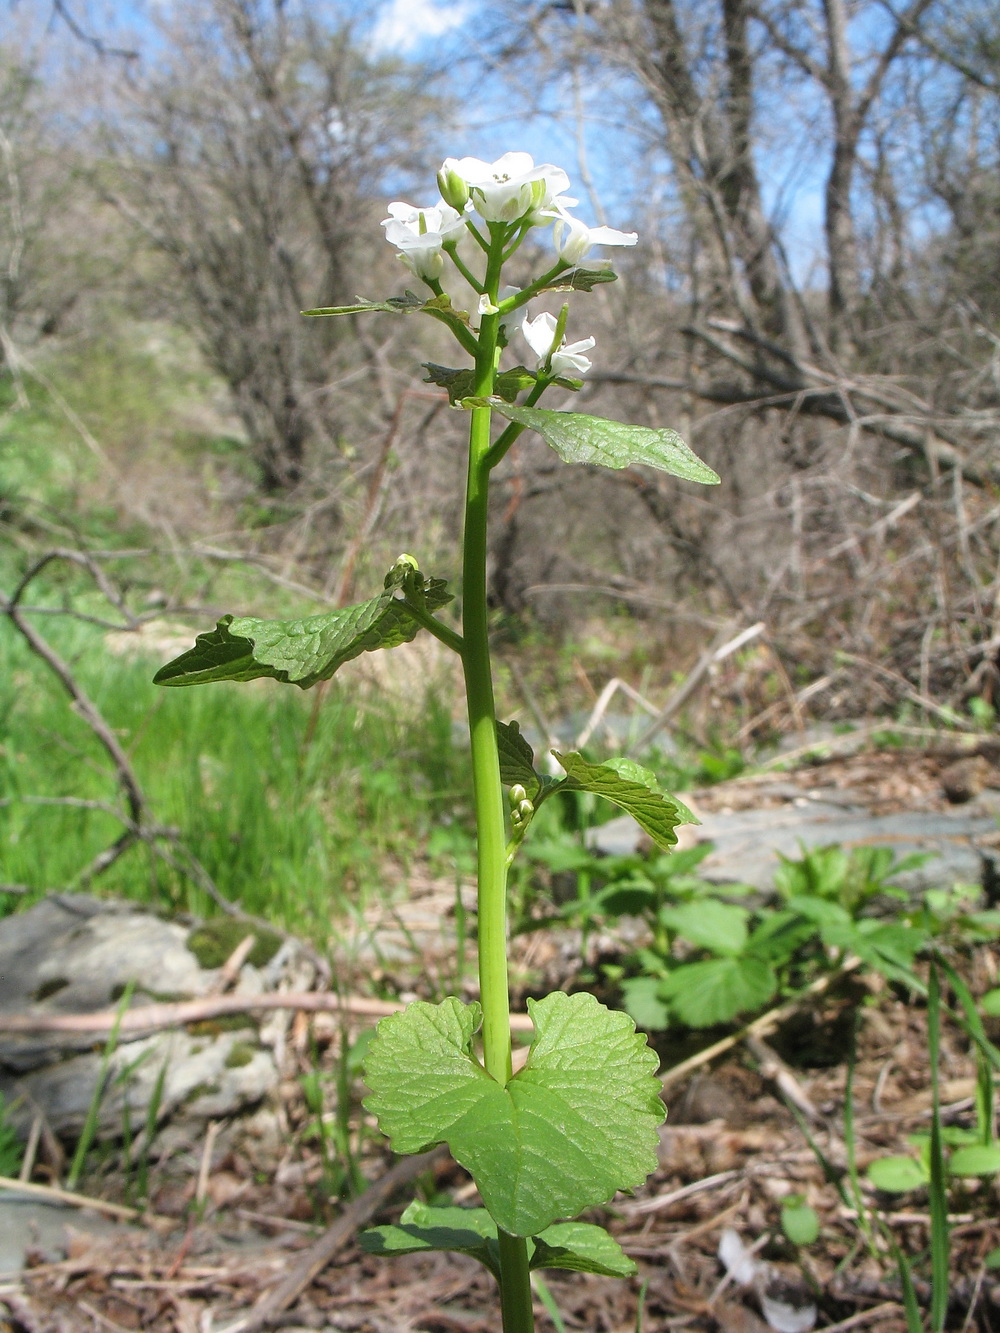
579	1120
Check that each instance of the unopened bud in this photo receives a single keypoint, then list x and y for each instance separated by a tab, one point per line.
516	795
525	809
454	190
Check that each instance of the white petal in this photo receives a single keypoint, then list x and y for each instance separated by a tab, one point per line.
737	1260
565	362
787	1318
513	164
609	236
471	169
540	333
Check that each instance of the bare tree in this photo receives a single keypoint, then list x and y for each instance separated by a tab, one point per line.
249	151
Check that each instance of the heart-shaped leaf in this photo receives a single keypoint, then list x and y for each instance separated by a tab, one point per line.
703	994
580	1247
632	788
574	1126
577	438
301	652
898	1175
719	927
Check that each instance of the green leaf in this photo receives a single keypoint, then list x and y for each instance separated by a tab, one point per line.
800	1223
422	1227
572	1127
979	1159
581	1247
577	438
992	1260
703	994
407	304
517	760
461	383
898	1175
580	280
301	652
641	1000
991	1003
709	924
632	788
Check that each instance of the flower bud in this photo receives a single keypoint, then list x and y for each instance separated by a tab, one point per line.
454	189
516	795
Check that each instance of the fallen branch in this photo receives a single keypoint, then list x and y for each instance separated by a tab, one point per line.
154	1017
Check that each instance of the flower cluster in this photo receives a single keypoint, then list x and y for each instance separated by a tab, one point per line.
512	195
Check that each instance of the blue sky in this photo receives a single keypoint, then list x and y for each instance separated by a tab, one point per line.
498	115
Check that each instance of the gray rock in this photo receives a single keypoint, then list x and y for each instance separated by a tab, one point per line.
26	1223
747	843
72	954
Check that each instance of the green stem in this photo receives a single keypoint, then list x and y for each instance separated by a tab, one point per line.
524	296
445	633
515	1288
507	437
465	336
451	249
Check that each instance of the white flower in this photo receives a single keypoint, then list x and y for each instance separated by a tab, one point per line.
573	239
567	358
512	188
419	233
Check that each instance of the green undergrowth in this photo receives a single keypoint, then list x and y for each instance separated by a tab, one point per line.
297	832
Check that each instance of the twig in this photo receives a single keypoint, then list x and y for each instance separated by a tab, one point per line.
882	1311
718	652
772	1067
74	1200
152	1017
205	1169
664	1201
614	686
356	1215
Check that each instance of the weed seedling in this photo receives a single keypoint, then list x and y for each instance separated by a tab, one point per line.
579	1121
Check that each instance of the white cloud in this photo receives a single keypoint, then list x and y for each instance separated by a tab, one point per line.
404	24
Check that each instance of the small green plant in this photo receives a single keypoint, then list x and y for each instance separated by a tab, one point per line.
710	959
90	1123
580	1120
11	1148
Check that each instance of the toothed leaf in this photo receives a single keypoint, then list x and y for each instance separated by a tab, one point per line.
577	438
579	1247
632	788
571	1128
301	652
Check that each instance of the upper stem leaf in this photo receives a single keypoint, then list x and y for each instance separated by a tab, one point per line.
578	438
301	652
633	788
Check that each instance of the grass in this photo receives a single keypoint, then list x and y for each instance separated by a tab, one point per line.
295	832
